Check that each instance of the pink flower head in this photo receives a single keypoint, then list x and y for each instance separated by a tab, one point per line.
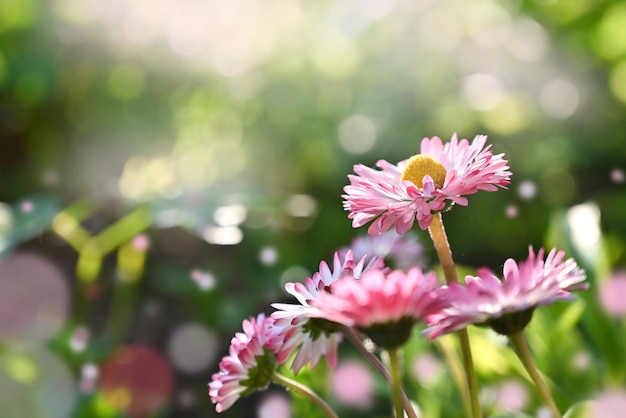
300	326
429	182
383	305
249	365
507	305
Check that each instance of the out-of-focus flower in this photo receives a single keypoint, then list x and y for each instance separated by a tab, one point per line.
399	251
427	369
353	385
249	365
507	305
512	396
612	292
299	324
609	404
384	306
440	176
274	405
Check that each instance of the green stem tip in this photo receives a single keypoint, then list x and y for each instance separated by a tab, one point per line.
299	388
523	352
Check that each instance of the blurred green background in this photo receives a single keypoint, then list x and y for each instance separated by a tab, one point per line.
167	165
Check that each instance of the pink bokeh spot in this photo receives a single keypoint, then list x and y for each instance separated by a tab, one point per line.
581	360
204	279
141	242
617	176
88	378
27	206
34	298
426	368
352	384
274	406
609	404
512	396
79	339
512	211
612	293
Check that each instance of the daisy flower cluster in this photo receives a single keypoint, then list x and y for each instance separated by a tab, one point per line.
359	297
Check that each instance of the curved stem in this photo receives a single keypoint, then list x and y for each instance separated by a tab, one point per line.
440	240
305	391
369	356
379	366
523	352
395	355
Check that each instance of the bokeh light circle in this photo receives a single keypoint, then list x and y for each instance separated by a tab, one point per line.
88	377
427	369
357	134
136	380
6	216
204	279
617	176
581	360
353	384
34	298
512	396
274	406
609	404
192	348
559	98
35	382
511	211
268	255
612	293
527	190
14	398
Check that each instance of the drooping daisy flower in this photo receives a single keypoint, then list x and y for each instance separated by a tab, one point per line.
507	305
249	365
440	176
302	330
385	306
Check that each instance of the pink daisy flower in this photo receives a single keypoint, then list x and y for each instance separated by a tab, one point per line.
507	305
383	305
249	365
432	181
301	328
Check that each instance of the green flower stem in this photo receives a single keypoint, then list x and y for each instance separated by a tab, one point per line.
440	239
523	352
379	366
395	355
298	387
472	381
446	348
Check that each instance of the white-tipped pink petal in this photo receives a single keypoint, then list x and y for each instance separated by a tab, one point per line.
383	198
528	284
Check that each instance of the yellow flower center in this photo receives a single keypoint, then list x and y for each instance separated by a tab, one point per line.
421	165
